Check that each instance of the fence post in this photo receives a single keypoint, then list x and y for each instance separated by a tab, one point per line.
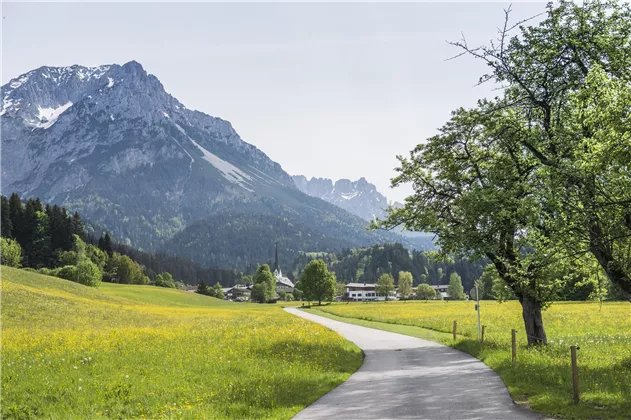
574	374
455	327
482	336
514	339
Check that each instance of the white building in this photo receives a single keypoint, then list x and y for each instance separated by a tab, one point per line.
283	284
441	288
363	292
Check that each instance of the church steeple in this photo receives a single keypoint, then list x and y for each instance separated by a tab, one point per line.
276	264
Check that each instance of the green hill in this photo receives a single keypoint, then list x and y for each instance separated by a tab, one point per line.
70	351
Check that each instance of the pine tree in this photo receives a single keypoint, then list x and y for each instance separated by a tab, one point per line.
202	288
77	226
35	236
6	226
105	243
15	214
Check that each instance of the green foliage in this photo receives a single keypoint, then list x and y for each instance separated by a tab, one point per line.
42	232
540	176
385	285
298	294
6	225
10	252
340	289
317	282
265	277
164	280
367	264
282	295
501	291
455	289
125	270
289	297
259	293
88	273
485	282
97	256
202	288
405	284
218	291
69	272
68	258
425	291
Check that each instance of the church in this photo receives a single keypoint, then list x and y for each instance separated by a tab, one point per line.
283	284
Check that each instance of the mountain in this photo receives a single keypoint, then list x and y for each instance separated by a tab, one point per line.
358	197
110	142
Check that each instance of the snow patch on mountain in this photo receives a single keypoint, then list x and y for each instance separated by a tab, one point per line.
48	116
228	170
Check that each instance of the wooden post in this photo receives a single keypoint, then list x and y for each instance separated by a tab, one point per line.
455	327
482	336
514	339
574	374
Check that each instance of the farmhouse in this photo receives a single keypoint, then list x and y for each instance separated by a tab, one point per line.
362	292
237	291
441	288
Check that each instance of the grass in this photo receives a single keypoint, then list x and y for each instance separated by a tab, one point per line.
541	378
73	352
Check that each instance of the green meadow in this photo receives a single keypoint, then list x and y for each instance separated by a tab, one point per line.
75	352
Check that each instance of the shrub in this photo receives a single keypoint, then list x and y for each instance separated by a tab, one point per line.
68	272
10	252
68	258
88	273
425	291
164	280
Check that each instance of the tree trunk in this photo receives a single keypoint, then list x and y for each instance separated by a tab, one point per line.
531	312
605	258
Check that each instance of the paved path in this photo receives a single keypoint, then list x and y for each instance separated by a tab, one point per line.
407	377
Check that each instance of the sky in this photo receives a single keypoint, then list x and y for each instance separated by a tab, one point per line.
334	90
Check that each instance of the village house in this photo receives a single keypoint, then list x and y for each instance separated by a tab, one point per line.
363	292
237	292
441	288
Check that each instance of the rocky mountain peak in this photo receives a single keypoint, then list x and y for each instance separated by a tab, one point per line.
359	197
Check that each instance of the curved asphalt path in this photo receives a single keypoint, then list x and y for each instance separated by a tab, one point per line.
407	377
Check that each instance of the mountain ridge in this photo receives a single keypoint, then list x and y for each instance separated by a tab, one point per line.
110	142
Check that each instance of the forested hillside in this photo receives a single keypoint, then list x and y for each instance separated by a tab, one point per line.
367	264
45	238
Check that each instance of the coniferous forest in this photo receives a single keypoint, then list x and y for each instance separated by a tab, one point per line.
46	238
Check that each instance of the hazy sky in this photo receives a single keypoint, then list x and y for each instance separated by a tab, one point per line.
329	90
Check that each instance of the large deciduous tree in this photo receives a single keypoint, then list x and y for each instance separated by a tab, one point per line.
425	291
385	285
405	284
570	76
264	277
317	283
473	189
455	289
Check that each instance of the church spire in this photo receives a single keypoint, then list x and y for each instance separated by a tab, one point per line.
276	264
